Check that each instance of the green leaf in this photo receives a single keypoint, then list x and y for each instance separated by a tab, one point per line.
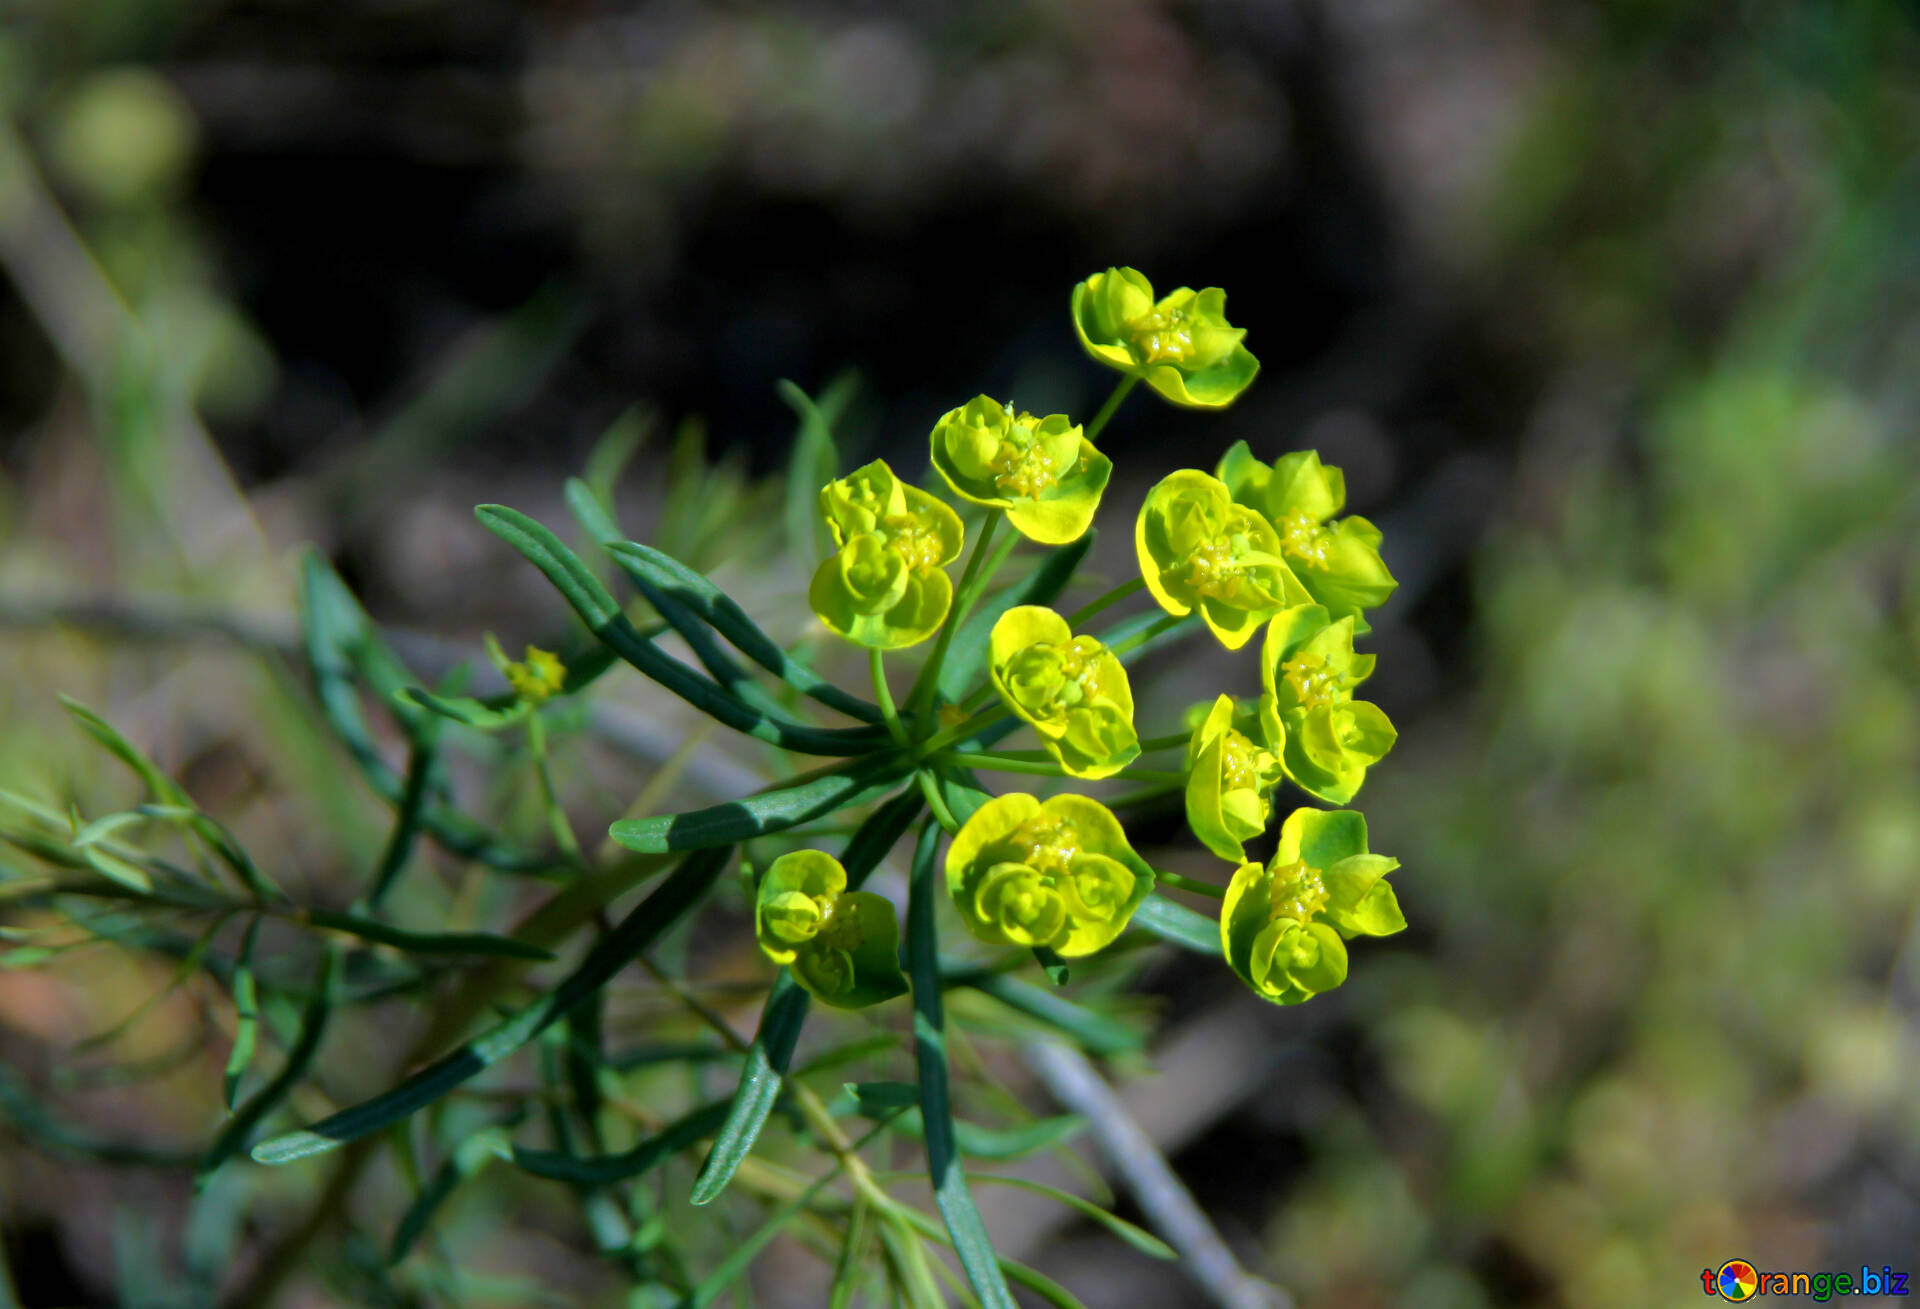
966	659
1034	1280
781	1018
758	815
970	1241
996	1143
1137	1237
879	834
815	462
336	634
162	786
876	1098
466	710
596	607
600	1170
313	1026
598	525
1093	1032
1178	924
642	926
246	1017
429	943
467	1158
662	574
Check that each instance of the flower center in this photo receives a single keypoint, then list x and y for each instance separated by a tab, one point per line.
1296	891
917	544
1214	568
1242	763
1045	844
1304	538
1024	467
1313	682
1163	336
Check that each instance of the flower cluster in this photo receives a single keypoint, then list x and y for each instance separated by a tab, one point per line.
840	944
1249	549
887	588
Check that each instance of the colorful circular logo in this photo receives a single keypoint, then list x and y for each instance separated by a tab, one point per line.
1737	1280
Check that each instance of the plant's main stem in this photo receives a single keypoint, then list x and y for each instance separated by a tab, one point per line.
883	696
1113	597
1120	391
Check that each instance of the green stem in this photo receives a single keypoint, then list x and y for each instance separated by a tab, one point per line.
556	816
1194	885
1172	742
883	696
1140	638
1113	597
1003	763
1142	796
936	802
1126	384
970	580
961	731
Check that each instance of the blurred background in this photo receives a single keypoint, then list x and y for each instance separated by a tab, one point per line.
1610	312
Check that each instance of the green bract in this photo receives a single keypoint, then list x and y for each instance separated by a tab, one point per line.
841	945
1071	688
1058	874
1200	550
1042	471
1338	562
1327	739
887	587
1282	924
1181	345
1230	781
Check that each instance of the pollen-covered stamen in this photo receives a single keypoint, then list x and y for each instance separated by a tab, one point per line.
1303	537
1214	570
1163	336
1313	682
1077	661
1242	763
1046	844
917	544
1024	467
1296	891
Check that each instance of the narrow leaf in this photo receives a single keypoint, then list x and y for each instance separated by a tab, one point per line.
815	462
430	943
998	1143
313	1026
1137	1237
781	1018
246	1017
639	929
1178	924
596	607
600	1170
969	1234
757	815
668	576
1093	1032
467	1158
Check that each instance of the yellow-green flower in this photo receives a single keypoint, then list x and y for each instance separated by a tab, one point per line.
1071	688
1057	873
536	680
841	945
1181	345
1200	550
1042	471
1284	926
1337	561
887	587
1327	739
1230	781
